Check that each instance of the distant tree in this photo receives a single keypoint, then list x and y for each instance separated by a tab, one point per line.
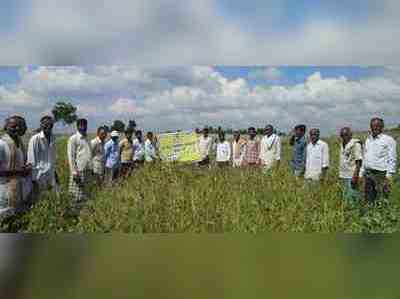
118	125
64	112
260	131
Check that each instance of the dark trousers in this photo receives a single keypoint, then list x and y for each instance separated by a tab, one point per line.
126	168
224	164
111	175
205	161
375	186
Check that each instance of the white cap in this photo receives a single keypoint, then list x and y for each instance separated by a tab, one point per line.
114	134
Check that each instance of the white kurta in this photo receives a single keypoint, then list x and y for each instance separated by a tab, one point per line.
317	159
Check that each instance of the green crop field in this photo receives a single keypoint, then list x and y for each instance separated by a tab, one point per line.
181	198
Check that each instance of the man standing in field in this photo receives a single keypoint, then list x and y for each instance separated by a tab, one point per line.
42	157
126	152
13	170
270	150
317	158
223	150
299	143
380	158
112	158
138	149
27	181
80	163
238	149
205	145
252	151
350	164
150	151
98	154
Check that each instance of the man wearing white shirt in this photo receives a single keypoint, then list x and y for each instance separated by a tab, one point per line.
223	150
205	145
98	154
80	162
150	151
380	159
42	157
317	157
238	149
138	149
270	150
13	170
350	164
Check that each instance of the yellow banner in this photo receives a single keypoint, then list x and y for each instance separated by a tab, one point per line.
180	146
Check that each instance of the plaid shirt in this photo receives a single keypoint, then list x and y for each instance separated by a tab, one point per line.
252	151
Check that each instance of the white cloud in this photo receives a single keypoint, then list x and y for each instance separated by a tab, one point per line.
124	106
17	97
187	97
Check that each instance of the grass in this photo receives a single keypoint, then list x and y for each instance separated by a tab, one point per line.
166	198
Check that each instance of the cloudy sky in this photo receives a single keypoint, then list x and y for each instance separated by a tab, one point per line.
174	64
167	98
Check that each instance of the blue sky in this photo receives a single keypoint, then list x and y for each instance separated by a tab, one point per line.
289	75
289	14
297	75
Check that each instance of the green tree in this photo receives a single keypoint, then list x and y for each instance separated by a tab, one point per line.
64	112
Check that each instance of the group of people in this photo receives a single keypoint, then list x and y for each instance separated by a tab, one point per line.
25	173
375	160
103	159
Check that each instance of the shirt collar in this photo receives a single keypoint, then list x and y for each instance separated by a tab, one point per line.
298	139
317	143
377	137
80	135
43	136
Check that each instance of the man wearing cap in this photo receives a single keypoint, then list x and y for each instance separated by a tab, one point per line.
112	158
12	168
42	156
